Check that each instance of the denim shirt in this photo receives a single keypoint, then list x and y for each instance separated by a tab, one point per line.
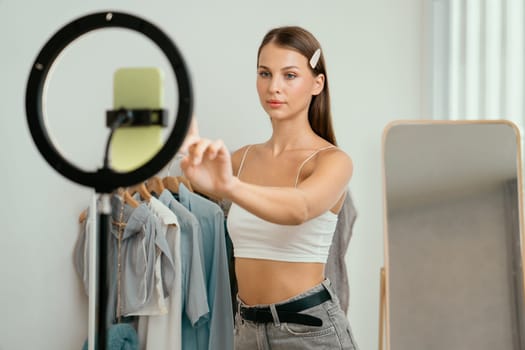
137	257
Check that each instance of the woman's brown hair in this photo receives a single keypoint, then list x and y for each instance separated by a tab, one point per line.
302	41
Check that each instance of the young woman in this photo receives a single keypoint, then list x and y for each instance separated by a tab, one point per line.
285	194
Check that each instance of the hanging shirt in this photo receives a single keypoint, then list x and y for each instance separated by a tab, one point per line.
165	271
219	333
335	269
137	251
193	310
81	254
164	331
137	259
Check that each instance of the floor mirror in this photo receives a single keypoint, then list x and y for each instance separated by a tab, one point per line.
453	219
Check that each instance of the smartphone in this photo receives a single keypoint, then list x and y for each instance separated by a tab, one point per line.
134	88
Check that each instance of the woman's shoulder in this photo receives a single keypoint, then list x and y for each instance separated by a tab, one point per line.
241	151
239	154
326	148
331	155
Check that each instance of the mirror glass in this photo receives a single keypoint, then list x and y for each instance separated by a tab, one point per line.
453	265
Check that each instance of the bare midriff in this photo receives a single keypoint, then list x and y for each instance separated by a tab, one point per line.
263	281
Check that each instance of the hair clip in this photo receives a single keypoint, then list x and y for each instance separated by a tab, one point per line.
315	58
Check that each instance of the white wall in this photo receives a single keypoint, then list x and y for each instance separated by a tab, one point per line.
375	61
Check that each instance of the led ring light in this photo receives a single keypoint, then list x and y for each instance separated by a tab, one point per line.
106	180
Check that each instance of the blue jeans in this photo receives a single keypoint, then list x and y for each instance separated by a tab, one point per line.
335	333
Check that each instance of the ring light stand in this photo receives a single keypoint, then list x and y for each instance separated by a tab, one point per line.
105	180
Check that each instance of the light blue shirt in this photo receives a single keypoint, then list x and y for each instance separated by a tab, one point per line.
195	310
219	333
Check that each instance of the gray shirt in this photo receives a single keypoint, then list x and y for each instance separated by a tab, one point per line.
335	269
137	258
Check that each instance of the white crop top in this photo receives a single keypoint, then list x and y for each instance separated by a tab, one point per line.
254	237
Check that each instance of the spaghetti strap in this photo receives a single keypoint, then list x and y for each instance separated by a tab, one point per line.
242	160
307	159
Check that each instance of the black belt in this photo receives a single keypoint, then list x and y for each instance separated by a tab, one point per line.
288	312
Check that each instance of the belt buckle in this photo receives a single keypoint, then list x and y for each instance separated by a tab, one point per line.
242	311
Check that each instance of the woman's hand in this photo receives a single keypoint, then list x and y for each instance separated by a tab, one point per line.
208	167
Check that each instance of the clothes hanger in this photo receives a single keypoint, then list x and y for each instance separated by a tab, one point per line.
155	184
186	182
141	189
130	200
171	183
83	216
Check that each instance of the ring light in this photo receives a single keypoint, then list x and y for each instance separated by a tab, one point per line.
106	180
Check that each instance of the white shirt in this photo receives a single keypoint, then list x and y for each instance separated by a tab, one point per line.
164	331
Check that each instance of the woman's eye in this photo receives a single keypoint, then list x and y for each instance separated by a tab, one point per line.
264	74
290	76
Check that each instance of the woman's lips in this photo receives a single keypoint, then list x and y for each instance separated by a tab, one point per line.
275	103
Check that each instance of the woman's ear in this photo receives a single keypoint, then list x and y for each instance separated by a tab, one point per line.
318	84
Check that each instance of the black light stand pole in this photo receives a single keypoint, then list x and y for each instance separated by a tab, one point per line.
104	229
105	180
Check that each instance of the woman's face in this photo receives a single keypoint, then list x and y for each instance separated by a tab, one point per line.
285	82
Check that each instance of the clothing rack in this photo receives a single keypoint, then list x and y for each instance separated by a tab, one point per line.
192	212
